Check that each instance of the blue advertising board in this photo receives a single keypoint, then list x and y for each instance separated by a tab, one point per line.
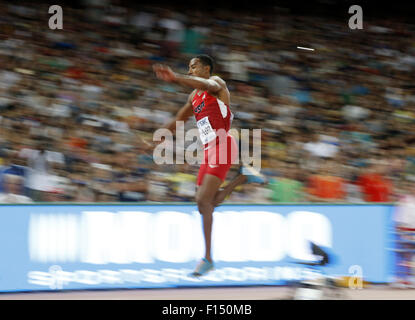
109	246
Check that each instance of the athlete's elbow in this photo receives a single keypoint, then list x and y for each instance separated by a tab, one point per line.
212	88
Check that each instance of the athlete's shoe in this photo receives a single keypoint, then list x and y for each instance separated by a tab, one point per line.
252	175
203	268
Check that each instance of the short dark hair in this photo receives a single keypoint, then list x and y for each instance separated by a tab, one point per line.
206	60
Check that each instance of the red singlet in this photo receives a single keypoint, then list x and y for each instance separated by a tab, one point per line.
214	118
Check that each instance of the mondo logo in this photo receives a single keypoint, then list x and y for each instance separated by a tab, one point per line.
101	237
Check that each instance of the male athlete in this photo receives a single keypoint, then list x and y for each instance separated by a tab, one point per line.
209	102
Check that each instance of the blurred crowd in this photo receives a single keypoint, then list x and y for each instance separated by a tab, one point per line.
75	104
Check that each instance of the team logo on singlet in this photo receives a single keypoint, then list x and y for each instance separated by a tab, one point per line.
199	107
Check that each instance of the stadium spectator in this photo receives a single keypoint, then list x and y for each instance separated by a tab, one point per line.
287	188
404	218
12	165
13	190
82	192
326	186
374	185
40	178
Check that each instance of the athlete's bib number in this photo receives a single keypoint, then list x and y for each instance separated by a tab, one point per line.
206	131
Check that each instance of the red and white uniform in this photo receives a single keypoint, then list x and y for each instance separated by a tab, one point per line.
213	119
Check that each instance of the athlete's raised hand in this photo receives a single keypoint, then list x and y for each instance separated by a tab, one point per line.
164	72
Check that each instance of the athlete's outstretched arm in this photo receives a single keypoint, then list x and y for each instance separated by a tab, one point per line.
167	74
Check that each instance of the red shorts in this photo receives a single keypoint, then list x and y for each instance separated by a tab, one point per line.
218	159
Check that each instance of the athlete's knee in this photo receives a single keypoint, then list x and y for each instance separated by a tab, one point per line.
203	204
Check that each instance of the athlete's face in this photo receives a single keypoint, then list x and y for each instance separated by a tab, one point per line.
198	69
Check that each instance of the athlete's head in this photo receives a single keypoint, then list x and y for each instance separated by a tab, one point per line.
201	66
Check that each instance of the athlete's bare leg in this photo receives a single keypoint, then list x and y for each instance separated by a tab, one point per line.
205	198
222	194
